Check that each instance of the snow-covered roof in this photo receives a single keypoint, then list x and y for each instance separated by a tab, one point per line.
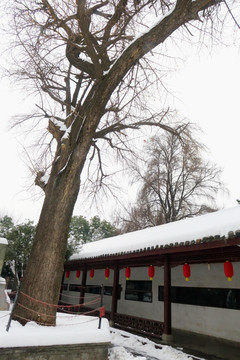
188	231
3	241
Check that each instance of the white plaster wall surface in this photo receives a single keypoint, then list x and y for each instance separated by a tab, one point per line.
154	310
223	323
98	280
71	297
218	322
207	275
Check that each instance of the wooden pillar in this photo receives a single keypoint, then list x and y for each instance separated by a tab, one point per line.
60	295
84	278
167	328
114	294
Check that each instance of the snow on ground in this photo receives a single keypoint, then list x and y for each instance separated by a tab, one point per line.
70	329
127	346
73	329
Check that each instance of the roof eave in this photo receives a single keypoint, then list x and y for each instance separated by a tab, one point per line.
204	250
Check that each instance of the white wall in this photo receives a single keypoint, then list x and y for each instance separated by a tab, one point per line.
204	275
223	323
71	297
154	310
98	279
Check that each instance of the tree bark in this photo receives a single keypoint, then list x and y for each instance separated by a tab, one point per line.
42	280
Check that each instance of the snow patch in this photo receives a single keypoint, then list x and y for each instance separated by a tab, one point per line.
80	329
132	347
67	133
3	241
45	178
59	124
70	329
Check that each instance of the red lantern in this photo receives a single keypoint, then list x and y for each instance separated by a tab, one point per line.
67	274
151	272
186	271
228	270
78	272
107	273
91	273
127	273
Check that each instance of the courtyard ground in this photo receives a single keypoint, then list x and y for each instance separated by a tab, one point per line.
72	329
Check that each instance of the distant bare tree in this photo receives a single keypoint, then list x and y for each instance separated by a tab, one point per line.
177	182
88	64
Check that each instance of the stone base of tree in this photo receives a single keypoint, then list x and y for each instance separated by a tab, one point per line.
4	305
57	352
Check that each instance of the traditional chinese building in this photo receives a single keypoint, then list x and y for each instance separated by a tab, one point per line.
183	275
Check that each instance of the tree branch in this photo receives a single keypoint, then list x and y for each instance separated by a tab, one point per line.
118	127
72	54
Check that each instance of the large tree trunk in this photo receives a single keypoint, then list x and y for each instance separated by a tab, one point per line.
42	280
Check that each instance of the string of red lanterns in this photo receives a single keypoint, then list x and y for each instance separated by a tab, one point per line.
228	271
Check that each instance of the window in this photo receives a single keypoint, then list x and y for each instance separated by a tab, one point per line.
211	297
64	287
74	287
93	289
138	291
109	289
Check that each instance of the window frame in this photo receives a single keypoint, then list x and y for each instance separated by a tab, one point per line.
224	298
136	293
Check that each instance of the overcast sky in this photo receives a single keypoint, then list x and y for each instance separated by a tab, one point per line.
207	93
209	90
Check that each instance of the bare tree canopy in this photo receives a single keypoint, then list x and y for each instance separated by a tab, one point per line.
88	63
176	182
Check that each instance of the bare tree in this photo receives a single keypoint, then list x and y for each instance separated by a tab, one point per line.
177	182
87	65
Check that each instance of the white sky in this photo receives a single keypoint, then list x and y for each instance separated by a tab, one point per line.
207	93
